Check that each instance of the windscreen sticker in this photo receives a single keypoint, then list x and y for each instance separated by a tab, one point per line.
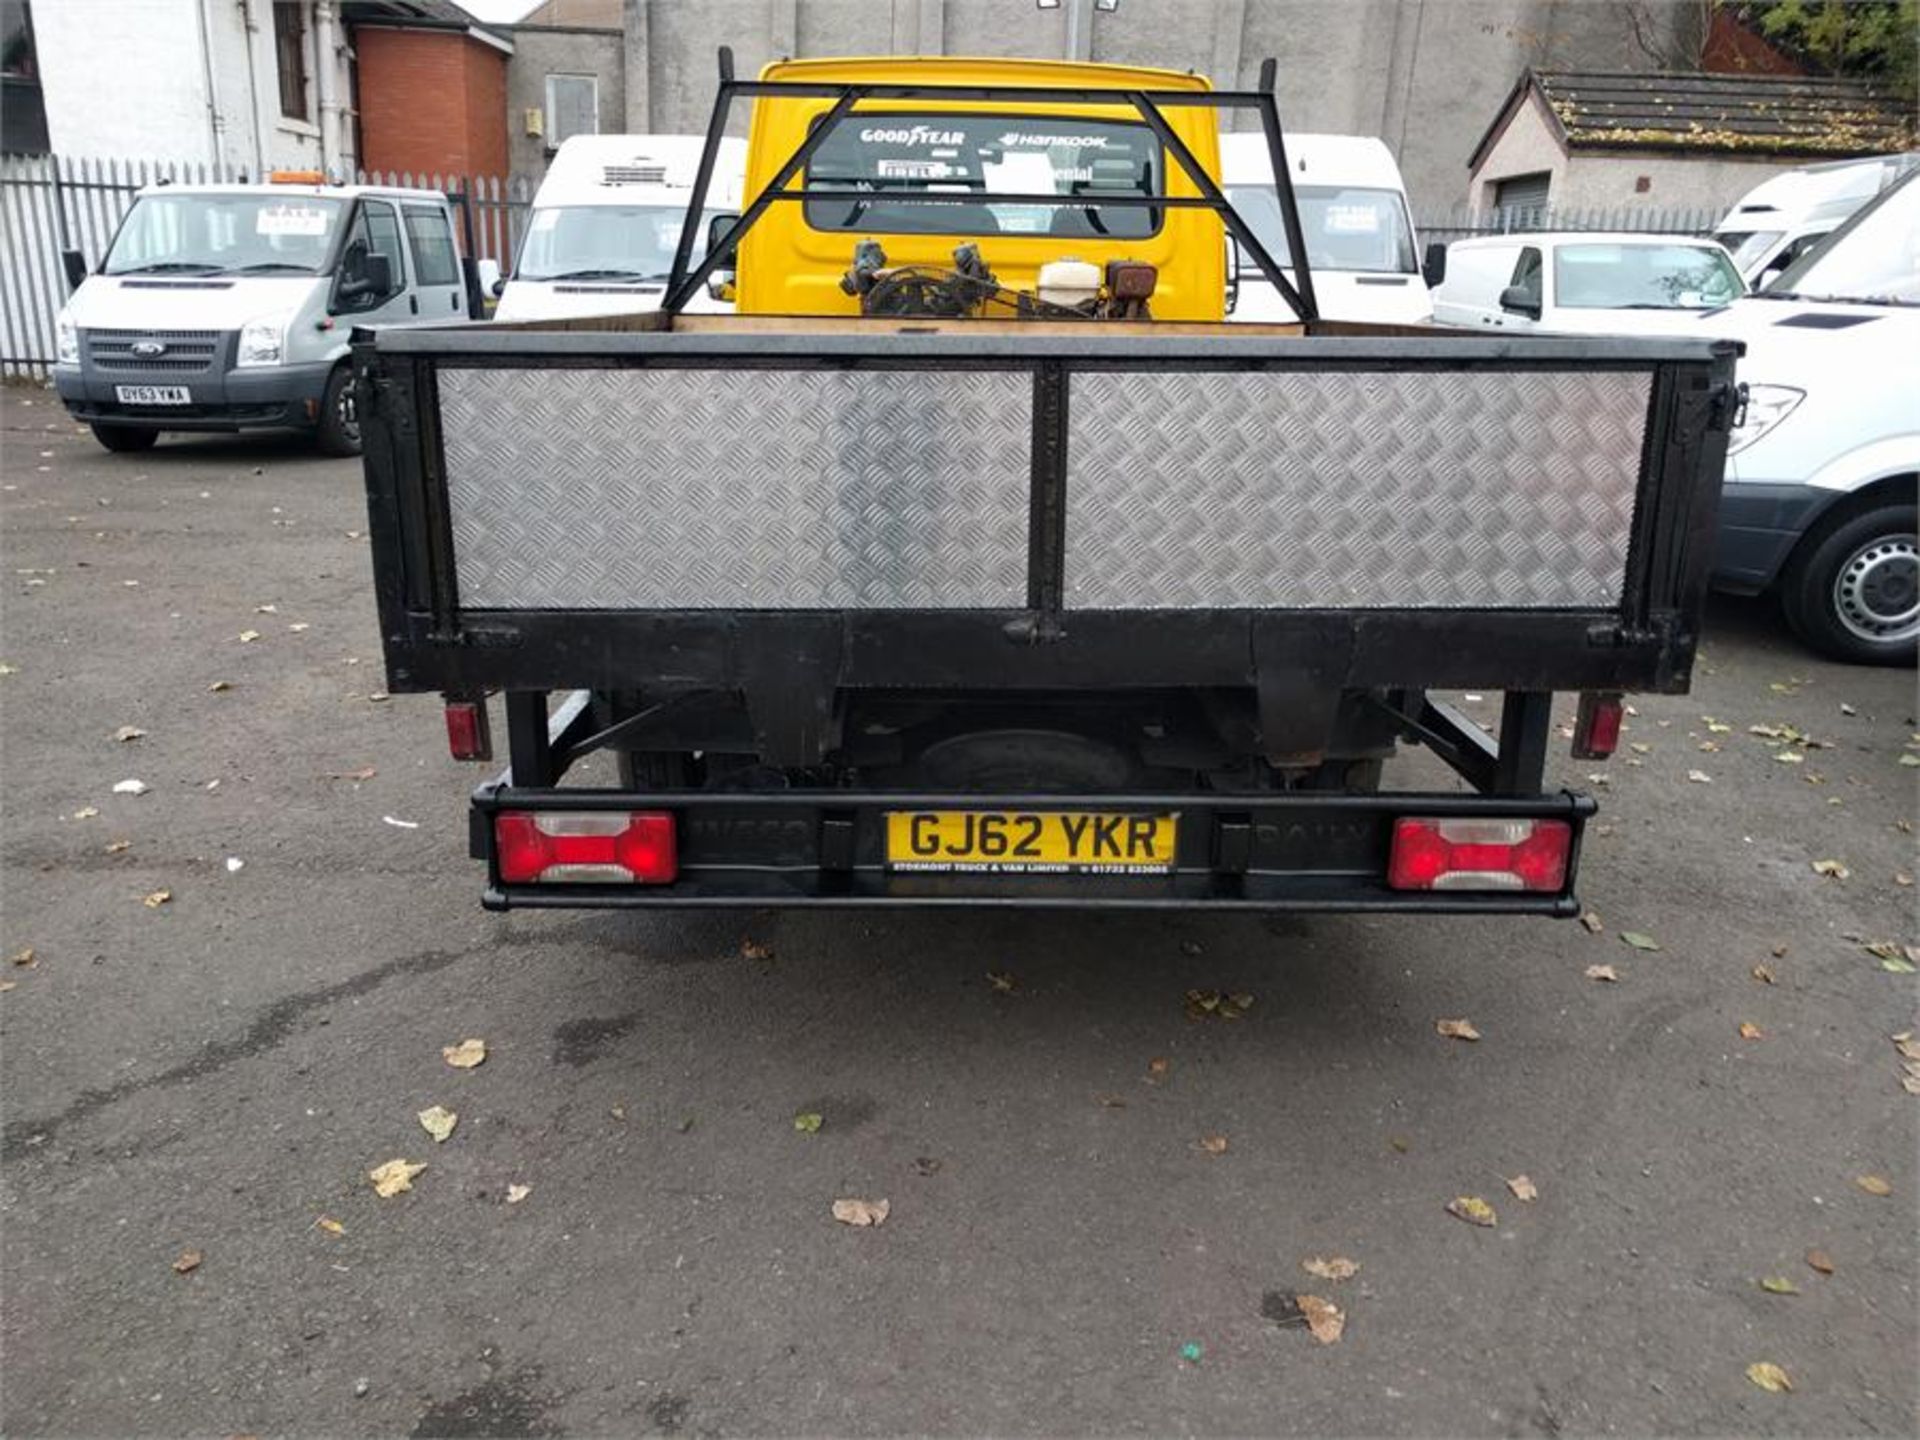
290	220
917	135
916	169
1020	140
1351	220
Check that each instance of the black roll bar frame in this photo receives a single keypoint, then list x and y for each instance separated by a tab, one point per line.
686	278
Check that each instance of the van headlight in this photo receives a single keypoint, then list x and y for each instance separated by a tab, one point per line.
66	340
263	341
1766	407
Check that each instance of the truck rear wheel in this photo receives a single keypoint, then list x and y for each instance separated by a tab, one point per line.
339	432
124	439
1853	591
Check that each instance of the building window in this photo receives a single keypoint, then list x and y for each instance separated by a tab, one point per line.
23	115
573	107
290	57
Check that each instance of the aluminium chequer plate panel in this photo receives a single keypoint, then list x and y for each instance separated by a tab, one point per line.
1352	489
708	489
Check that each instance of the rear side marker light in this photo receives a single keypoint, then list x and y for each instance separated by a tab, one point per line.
468	735
1459	854
1596	733
560	846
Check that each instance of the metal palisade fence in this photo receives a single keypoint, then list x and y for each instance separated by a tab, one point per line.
51	203
1465	224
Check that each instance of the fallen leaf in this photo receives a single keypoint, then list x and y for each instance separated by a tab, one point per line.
438	1121
1715	727
298	626
247	637
379	697
1790	757
1873	1185
618	1112
1401	1145
807	1122
517	1193
1214	1144
1158	1068
1638	941
1779	951
1337	1268
6	985
1882	949
1821	1261
1595	925
1779	1285
86	812
217	686
266	609
1846	709
861	1212
1110	1101
1897	967
1751	1031
1602	972
1002	982
1640	747
1910	759
130	787
365	772
401	824
187	1262
1769	1376
128	732
114	847
156	899
330	1225
754	950
926	1165
464	1056
1902	879
1323	1318
1473	1210
393	1177
1832	869
1457	1029
1699	777
1905	1044
23	957
1763	974
1523	1188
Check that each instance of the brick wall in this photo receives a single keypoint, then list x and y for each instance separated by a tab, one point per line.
431	102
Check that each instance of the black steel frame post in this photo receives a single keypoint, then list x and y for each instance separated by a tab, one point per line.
1269	110
529	744
678	295
1216	199
1526	721
703	176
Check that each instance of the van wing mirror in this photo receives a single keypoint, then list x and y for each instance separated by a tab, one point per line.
717	228
1434	269
379	274
75	266
1518	300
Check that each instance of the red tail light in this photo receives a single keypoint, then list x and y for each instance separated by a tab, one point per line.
545	846
468	736
1471	854
1596	733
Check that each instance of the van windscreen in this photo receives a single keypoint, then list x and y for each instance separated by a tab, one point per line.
225	233
603	242
974	157
1347	227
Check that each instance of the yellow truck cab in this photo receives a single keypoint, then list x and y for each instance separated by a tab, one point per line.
987	154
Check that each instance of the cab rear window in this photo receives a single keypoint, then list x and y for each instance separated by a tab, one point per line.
968	159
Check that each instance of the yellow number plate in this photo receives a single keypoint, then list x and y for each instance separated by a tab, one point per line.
1043	842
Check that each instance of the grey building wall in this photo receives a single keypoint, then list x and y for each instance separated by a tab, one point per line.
540	52
1427	76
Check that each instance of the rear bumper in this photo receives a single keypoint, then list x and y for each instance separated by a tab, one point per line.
277	397
1298	851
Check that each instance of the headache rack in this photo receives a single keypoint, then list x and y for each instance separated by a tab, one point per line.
1150	105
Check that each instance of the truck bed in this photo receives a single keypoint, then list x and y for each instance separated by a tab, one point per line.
1327	519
